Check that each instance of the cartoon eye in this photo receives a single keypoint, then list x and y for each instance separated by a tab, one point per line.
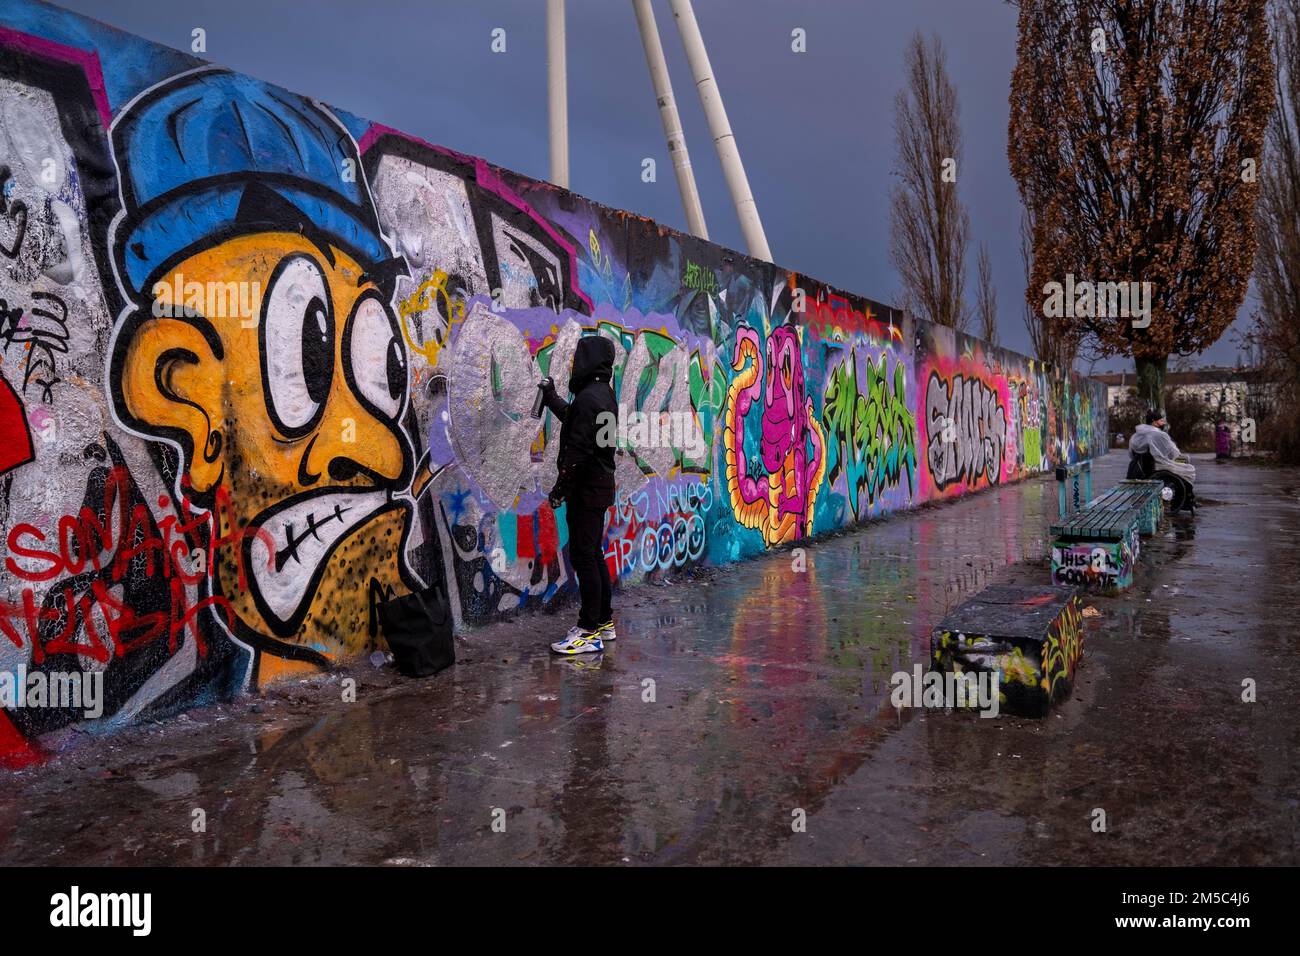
376	362
297	333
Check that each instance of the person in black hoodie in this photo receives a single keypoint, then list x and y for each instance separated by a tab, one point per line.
586	485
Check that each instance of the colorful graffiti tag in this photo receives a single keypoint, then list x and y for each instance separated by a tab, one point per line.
264	363
779	505
871	430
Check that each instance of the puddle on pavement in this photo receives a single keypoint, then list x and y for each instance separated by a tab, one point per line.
768	691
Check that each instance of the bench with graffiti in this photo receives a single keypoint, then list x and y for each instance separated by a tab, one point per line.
1031	638
1096	546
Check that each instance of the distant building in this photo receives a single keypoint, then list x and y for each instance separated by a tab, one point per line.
1231	393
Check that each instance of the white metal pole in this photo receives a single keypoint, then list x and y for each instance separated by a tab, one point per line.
663	87
557	92
732	168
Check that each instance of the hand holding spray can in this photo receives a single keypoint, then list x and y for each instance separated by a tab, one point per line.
542	387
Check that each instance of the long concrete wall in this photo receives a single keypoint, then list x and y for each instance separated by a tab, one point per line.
263	363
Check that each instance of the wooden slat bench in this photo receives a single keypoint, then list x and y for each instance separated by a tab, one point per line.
1031	637
1153	505
1096	547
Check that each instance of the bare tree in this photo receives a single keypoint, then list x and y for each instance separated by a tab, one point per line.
928	224
1054	341
986	297
1131	124
1274	339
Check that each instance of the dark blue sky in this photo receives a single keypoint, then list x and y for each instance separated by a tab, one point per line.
814	129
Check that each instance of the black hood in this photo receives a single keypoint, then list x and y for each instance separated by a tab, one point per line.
593	361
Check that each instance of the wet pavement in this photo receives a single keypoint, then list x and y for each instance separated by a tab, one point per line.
770	696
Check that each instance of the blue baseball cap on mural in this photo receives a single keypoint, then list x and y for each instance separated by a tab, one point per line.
200	156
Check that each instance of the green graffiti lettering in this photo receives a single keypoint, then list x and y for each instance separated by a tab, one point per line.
871	432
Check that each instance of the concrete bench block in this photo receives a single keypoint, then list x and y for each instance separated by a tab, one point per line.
1031	637
1096	565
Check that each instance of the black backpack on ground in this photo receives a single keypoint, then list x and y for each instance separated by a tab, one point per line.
418	628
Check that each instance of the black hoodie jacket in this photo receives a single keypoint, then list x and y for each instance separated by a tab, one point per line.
587	465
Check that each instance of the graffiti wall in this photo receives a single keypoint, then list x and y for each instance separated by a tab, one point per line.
264	363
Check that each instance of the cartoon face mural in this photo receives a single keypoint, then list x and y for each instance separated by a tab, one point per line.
264	363
285	410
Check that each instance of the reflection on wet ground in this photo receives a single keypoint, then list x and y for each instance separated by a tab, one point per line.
733	700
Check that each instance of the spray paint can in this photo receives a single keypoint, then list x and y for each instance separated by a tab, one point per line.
537	402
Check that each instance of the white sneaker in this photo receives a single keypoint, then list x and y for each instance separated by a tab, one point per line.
579	640
606	631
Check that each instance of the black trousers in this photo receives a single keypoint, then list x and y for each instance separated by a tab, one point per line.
586	525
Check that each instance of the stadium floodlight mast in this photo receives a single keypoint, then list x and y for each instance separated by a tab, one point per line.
557	92
724	140
673	133
751	227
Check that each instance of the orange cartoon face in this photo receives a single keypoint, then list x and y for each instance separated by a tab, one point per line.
290	405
